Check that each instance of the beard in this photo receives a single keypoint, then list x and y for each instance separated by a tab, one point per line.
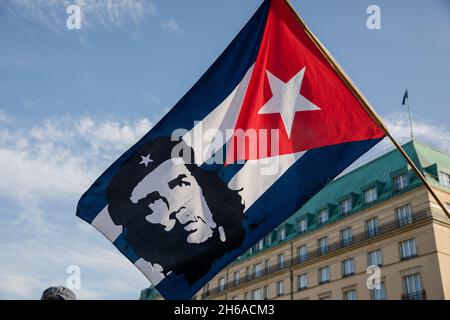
171	250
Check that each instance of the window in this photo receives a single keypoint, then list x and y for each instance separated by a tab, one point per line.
266	292
282	234
408	249
401	182
260	245
256	294
375	258
302	225
269	239
413	287
302	253
350	295
267	265
247	273
322	216
378	294
280	288
245	295
221	284
322	246
237	278
324	275
281	261
346	237
302	281
372	227
444	178
348	267
370	195
403	215
345	206
258	270
206	290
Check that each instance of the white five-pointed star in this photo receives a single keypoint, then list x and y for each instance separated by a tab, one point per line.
146	160
287	99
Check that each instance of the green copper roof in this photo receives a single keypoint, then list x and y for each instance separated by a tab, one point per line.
432	161
379	174
149	294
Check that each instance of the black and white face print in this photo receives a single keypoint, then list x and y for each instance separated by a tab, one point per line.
177	218
176	197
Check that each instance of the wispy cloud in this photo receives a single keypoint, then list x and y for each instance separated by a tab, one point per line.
4	118
153	99
18	285
44	170
108	13
111	136
425	131
171	26
62	156
43	262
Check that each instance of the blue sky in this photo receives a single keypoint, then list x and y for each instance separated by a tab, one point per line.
72	101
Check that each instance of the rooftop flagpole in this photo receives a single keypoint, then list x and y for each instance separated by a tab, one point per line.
406	100
367	106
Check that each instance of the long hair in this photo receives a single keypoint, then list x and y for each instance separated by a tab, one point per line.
170	249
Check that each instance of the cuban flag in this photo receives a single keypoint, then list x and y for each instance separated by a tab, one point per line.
266	127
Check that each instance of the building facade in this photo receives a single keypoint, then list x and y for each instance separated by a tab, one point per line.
374	233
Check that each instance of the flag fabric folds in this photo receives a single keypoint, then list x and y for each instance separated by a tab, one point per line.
180	217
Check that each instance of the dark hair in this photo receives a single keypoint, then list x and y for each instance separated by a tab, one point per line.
58	293
170	249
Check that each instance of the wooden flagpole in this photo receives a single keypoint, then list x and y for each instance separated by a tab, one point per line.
366	104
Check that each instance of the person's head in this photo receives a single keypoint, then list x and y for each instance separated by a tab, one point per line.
175	213
58	293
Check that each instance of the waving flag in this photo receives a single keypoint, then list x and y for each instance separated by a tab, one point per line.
405	97
191	196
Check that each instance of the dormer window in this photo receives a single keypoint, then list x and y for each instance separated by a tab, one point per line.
261	244
282	235
322	216
401	182
302	225
370	195
269	239
444	178
345	206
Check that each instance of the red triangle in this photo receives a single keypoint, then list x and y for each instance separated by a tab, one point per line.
286	49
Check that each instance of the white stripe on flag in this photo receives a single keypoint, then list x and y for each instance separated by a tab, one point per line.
106	226
221	119
257	176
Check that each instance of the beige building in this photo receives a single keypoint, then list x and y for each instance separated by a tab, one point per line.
374	233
